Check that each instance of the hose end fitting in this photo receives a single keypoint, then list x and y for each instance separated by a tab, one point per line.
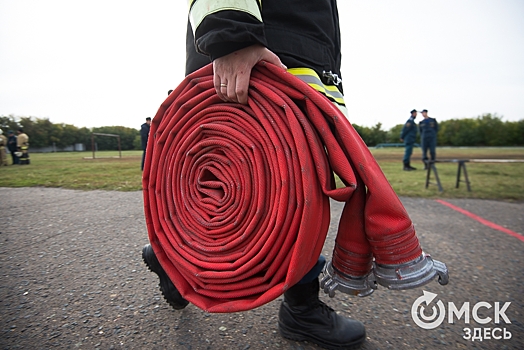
412	274
334	280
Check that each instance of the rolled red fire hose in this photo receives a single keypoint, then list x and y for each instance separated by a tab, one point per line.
237	197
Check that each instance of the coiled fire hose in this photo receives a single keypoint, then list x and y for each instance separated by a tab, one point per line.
236	197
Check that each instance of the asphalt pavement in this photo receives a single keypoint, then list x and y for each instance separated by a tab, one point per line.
72	277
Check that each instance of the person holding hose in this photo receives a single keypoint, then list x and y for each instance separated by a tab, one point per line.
290	34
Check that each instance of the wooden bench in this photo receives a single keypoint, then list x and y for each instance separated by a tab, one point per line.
383	145
461	169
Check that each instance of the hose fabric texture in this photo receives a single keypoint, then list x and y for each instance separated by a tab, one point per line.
236	197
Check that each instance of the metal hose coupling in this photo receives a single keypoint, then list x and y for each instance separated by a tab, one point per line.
412	274
335	280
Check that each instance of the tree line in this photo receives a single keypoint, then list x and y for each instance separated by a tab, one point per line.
43	133
485	130
482	131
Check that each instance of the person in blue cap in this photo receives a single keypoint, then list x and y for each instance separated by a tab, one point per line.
408	135
428	137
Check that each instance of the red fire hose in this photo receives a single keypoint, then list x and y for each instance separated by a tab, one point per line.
237	197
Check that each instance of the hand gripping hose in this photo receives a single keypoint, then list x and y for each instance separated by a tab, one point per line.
236	197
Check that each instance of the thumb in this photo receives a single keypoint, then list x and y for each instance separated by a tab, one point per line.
273	58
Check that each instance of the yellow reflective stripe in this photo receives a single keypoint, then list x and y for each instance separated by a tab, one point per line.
302	71
199	9
309	76
190	3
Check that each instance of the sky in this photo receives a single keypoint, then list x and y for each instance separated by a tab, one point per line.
111	62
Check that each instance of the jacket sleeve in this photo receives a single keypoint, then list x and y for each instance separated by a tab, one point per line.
403	132
221	27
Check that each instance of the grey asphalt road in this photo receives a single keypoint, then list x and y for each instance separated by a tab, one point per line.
72	278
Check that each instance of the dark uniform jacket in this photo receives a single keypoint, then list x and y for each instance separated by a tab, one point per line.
144	135
409	131
11	143
301	33
428	128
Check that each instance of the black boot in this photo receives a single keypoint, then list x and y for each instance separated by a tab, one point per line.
406	166
303	316
410	167
167	287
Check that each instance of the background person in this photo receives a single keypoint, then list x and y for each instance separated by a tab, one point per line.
428	137
12	147
144	136
292	33
408	135
22	144
3	146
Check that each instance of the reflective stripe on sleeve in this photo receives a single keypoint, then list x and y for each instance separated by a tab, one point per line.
312	79
199	9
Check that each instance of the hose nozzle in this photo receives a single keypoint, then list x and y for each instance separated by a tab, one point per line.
412	274
333	280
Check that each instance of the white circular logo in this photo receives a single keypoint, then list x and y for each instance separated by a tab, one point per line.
418	312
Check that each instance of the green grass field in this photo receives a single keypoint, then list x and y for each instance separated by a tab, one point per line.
72	170
488	181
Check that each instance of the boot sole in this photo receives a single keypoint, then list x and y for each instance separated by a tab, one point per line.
164	283
297	336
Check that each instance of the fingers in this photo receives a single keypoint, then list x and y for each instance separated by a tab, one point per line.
241	89
232	87
235	90
231	73
221	86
